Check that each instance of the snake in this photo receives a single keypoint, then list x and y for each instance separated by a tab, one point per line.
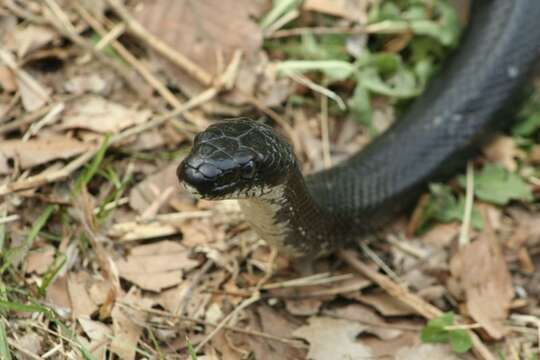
476	94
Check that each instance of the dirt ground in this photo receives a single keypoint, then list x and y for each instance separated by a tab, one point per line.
103	255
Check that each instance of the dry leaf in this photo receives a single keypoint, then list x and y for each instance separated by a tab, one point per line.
156	266
33	94
142	195
203	29
7	80
88	83
39	151
81	302
503	150
39	261
95	113
127	327
31	343
480	269
57	294
99	335
373	323
354	10
270	321
33	37
427	352
384	304
331	338
303	307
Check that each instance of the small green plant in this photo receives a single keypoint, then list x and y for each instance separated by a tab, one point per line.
437	331
191	351
497	185
444	206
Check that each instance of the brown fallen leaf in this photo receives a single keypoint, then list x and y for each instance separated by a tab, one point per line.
156	266
33	94
39	261
81	302
32	344
384	303
95	113
58	296
303	307
266	319
32	37
7	80
503	150
39	151
142	195
203	29
374	324
99	335
349	9
427	352
127	324
331	338
481	271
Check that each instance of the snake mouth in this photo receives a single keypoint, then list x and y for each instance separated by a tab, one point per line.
203	186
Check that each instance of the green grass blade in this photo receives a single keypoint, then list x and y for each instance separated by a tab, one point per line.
4	347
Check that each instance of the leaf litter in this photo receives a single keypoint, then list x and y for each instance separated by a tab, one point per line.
132	265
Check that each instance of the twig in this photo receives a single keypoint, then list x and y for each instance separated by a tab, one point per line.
325	137
9	218
469	197
315	31
51	177
31	117
414	301
62	23
186	296
192	69
244	304
290	342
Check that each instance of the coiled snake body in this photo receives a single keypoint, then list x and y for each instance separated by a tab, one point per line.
475	93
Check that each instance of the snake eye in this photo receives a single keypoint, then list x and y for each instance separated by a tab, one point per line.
248	170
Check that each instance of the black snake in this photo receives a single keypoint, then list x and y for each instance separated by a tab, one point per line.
476	92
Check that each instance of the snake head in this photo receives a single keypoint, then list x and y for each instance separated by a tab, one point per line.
236	159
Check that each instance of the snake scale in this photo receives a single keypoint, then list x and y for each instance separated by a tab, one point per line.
476	93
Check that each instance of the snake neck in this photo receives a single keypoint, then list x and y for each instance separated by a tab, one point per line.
289	218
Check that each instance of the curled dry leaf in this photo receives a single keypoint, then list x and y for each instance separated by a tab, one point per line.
480	269
97	114
156	266
331	338
28	154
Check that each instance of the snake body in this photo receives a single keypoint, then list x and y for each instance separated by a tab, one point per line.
476	93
